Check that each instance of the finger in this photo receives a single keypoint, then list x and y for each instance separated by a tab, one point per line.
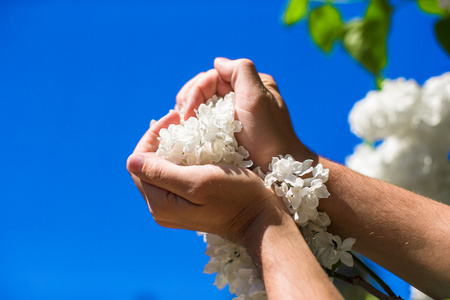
269	82
199	90
167	208
203	89
242	76
182	94
272	87
180	180
223	87
149	141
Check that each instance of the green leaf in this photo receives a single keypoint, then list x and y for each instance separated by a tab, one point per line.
295	10
442	28
325	25
431	6
365	39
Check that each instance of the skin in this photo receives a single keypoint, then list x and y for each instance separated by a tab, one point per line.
401	231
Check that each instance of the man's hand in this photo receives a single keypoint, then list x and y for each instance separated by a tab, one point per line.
267	128
234	203
223	200
149	141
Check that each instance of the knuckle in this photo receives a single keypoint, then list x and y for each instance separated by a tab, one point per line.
202	186
210	72
246	63
182	93
179	98
161	209
267	79
154	173
196	189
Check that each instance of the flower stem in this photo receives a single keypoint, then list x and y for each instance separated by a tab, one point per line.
379	80
359	281
372	274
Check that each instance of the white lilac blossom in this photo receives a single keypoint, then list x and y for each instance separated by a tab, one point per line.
444	4
233	266
413	125
209	139
301	186
385	112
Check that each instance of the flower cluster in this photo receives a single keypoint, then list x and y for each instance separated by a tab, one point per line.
207	139
444	4
234	267
301	195
387	112
413	125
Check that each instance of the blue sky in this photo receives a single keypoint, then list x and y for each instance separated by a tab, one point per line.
80	82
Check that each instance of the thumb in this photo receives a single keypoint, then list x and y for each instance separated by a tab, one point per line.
242	76
159	172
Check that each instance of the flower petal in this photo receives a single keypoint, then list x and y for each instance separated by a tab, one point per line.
347	259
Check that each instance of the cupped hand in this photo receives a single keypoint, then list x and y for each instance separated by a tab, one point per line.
149	141
223	200
267	127
219	199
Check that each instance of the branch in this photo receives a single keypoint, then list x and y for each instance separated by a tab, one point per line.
359	281
372	274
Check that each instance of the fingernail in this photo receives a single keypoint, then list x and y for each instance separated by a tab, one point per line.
222	60
135	163
153	121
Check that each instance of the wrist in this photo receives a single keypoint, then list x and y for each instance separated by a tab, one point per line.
273	218
301	153
279	250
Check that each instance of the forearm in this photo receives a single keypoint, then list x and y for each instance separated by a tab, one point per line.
289	269
402	231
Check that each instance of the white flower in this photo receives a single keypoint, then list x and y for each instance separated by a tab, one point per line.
304	214
295	193
386	111
320	173
342	249
414	153
283	169
305	200
332	249
444	4
327	255
318	189
207	139
301	196
287	169
435	108
322	220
